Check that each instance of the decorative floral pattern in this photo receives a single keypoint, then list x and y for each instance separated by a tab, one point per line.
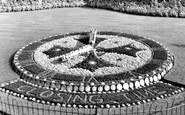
122	62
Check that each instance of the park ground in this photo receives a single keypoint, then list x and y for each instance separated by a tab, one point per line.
20	28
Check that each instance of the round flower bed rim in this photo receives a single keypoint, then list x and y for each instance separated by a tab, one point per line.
119	85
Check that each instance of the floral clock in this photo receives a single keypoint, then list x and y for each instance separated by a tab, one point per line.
92	70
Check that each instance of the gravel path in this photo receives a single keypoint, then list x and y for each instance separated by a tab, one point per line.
20	28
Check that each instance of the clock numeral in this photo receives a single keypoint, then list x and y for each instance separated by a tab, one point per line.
25	63
90	79
46	74
28	51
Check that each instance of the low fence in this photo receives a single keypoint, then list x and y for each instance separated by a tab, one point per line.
12	105
15	106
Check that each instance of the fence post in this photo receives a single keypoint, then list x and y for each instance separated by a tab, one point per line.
15	107
183	105
9	104
1	103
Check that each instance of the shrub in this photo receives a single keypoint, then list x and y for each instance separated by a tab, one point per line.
182	12
32	7
37	7
59	4
164	8
50	5
28	8
166	11
158	11
151	11
64	4
121	7
45	6
1	10
71	4
4	9
9	9
41	7
182	3
55	5
166	4
23	8
15	9
173	13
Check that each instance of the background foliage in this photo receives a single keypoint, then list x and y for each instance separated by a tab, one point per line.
172	8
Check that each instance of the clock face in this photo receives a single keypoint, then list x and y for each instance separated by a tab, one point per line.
115	57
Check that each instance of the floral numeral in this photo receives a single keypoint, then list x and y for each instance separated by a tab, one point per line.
47	74
25	63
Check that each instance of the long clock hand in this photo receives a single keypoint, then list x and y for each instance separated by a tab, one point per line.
71	54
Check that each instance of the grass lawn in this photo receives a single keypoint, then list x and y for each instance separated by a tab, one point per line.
20	28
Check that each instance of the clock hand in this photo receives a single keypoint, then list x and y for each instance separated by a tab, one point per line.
71	54
84	49
92	37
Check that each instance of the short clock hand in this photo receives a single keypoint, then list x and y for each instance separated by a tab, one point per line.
82	50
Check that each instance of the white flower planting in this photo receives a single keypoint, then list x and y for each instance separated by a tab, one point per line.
122	62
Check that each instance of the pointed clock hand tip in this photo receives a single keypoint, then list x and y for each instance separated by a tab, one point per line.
92	37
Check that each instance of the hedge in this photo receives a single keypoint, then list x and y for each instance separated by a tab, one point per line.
165	8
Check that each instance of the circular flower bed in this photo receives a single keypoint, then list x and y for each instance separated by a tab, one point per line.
117	71
118	62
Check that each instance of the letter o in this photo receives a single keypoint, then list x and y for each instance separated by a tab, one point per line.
46	94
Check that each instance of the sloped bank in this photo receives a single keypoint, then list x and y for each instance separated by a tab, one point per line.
164	8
